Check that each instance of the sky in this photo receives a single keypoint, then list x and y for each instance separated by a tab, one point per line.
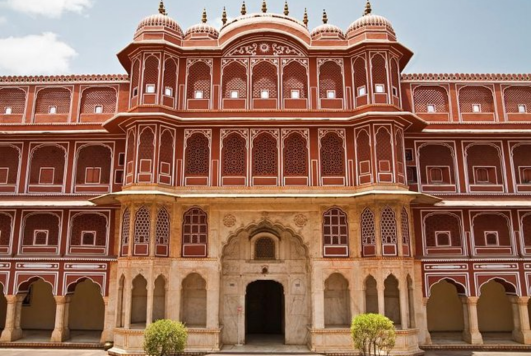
84	36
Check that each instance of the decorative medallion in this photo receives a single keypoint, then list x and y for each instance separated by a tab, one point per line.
300	220
229	220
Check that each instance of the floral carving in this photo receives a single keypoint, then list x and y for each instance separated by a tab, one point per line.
300	220
229	220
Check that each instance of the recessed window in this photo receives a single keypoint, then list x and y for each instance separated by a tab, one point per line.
98	109
234	94
482	176
46	175
436	175
295	94
8	110
395	91
409	155
412	175
88	238
432	108
380	88
264	94
135	92
119	177
522	109
121	159
443	238
476	108
150	88
491	238
526	175
4	175
331	94
52	110
199	94
40	237
168	91
362	91
92	175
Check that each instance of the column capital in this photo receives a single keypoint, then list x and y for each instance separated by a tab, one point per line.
61	299
521	300
12	299
470	300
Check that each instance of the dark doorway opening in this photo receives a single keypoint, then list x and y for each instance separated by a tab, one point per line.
264	304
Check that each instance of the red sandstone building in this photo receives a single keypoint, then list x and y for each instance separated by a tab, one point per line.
266	159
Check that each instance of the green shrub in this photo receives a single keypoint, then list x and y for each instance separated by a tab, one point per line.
164	338
373	334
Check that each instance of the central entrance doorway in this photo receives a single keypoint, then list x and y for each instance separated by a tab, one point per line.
264	311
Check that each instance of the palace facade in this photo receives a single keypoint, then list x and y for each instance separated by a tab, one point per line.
266	178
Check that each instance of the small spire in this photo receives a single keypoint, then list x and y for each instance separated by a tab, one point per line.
224	16
264	6
368	8
305	20
162	8
204	18
325	17
244	9
286	8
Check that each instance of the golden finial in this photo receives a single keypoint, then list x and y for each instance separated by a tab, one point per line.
286	8
162	9
305	20
264	6
368	8
244	9
204	18
325	17
224	16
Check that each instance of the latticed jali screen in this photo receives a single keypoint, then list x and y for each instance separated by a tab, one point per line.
142	226
106	97
526	227
379	71
6	221
89	222
146	147
514	97
367	228
521	159
162	229
360	73
295	156
235	79
126	224
264	249
48	157
405	226
97	157
330	78
491	222
10	160
388	226
197	155
265	77
483	156
13	98
295	78
442	223
438	156
234	156
58	97
363	148
384	150
135	78
199	79
170	76
332	156
41	222
265	156
470	96
431	95
151	71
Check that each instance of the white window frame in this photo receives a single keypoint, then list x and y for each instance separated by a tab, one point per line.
264	94
162	171
96	111
522	171
8	110
168	91
430	169
395	92
150	166
5	169
486	233
135	92
431	108
476	108
362	91
94	233
151	88
35	232
439	233
477	181
331	94
381	90
522	108
234	94
40	175
199	94
99	175
121	158
295	94
52	110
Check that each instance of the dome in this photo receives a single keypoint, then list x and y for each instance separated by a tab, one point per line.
159	21
327	31
371	20
202	30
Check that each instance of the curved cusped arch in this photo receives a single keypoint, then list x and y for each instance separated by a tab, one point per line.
235	79
13	98
25	283
71	287
195	233
444	226
509	287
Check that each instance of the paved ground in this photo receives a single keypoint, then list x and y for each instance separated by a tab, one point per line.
33	352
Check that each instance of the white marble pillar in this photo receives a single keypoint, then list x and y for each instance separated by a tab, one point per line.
61	332
11	333
471	333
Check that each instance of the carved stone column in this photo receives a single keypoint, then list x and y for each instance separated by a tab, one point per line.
317	300
61	332
150	294
378	231
381	298
106	334
521	330
471	333
128	297
399	237
213	300
427	339
404	312
11	332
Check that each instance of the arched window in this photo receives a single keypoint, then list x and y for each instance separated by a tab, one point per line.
330	81
146	155
12	101
234	82
295	156
162	233
476	99
363	153
265	156
384	155
431	100
332	155
484	165
492	234
48	165
199	81
517	100
405	231
436	163
94	166
400	155
294	82
142	232
360	80
388	233
195	233
6	231
234	156
395	80
335	233
88	233
53	101
526	232
151	75
135	79
442	233
166	156
170	80
98	101
9	165
41	233
379	78
265	249
130	156
368	233
265	85
522	164
197	157
126	223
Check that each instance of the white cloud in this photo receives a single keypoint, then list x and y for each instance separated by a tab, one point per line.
35	54
3	20
48	8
